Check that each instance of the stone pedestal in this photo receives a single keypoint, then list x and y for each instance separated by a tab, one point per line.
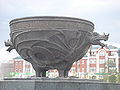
56	84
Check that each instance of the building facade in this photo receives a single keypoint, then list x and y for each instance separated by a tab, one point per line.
98	62
22	68
6	69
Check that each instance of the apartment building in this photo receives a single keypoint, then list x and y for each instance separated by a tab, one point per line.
22	68
98	62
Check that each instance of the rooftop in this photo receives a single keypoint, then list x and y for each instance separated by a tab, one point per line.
19	57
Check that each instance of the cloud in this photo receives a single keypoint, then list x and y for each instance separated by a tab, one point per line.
15	8
55	7
114	44
5	55
105	14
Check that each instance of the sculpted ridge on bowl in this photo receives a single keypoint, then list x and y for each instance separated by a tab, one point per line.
52	42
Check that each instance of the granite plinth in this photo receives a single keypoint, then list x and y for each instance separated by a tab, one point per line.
56	84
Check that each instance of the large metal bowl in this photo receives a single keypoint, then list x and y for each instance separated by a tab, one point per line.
50	42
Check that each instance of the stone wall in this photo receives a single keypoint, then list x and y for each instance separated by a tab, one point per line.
56	84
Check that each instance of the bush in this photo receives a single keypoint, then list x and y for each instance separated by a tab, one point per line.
105	79
118	79
112	78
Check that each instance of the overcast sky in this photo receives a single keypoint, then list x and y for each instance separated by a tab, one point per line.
105	14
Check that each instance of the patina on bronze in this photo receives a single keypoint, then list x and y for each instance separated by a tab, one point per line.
52	42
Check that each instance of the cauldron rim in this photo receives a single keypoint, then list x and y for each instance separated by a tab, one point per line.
51	18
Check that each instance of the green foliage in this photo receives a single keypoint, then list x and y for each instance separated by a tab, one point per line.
10	74
112	78
106	78
118	79
93	77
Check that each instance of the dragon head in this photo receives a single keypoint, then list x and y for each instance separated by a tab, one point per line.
9	44
96	38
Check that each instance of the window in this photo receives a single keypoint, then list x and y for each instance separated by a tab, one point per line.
92	69
92	61
111	60
113	53
102	70
19	63
102	53
20	70
93	54
102	61
27	69
82	61
16	63
27	63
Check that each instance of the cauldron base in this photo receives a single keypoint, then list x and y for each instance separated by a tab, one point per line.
55	84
